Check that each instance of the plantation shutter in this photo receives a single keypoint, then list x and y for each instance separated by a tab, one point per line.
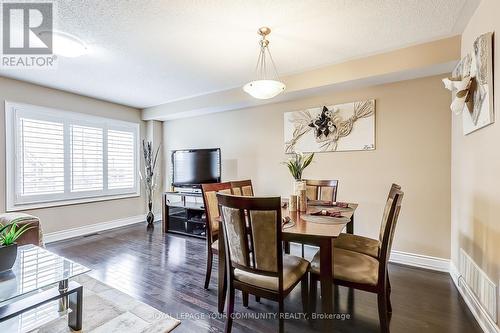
121	166
56	157
40	157
86	158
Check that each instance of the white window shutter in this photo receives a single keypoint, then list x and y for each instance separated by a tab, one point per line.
40	157
121	159
56	157
86	158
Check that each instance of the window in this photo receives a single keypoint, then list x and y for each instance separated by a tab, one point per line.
57	157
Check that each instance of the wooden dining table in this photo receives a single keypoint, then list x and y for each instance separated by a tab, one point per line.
312	231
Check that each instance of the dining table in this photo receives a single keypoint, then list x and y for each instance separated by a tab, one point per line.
308	228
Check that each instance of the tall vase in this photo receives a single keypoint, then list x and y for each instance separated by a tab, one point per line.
150	218
298	185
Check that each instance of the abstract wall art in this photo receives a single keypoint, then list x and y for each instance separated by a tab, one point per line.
471	84
342	127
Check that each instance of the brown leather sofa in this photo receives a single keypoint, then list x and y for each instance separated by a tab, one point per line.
33	236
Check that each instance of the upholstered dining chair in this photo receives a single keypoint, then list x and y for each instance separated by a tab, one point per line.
325	190
255	263
360	271
242	187
209	192
363	244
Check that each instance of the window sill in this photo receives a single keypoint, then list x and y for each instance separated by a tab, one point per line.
60	203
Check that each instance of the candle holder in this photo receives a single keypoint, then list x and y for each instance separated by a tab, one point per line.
303	201
292	203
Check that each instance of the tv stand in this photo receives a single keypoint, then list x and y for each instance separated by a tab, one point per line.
184	213
187	190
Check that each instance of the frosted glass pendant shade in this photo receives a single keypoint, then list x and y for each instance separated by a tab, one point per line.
264	89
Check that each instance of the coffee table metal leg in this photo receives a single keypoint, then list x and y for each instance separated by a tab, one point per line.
76	305
63	302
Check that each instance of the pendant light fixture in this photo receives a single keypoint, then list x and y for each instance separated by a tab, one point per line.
268	84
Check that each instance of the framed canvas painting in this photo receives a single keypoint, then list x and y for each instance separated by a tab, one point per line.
479	65
342	127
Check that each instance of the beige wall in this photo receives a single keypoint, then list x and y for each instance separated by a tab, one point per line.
475	195
71	216
413	149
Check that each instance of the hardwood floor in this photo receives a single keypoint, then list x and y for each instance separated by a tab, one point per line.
167	272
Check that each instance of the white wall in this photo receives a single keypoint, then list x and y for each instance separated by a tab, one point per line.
413	149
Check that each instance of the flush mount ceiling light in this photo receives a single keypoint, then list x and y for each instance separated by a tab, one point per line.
268	84
66	45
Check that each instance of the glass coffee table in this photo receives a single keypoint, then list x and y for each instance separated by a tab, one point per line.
40	277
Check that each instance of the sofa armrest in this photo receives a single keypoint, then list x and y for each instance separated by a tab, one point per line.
32	236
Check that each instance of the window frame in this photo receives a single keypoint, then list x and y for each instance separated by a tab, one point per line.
14	202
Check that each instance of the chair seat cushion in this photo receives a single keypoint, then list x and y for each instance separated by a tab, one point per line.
359	244
350	266
294	269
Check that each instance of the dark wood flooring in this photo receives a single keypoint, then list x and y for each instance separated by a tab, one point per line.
167	272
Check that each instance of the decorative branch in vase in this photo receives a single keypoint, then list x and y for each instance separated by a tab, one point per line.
150	177
296	165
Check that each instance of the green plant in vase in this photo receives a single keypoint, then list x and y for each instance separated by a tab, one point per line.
296	165
9	234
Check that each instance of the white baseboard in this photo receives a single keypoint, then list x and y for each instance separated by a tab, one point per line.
416	260
421	261
481	315
93	228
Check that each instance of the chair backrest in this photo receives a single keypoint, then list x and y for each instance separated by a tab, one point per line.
322	189
388	235
253	225
211	206
242	187
387	208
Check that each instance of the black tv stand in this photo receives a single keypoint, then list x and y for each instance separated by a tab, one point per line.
184	213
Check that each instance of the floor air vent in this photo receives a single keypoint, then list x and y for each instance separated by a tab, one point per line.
483	289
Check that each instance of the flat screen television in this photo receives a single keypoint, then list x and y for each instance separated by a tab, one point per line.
192	167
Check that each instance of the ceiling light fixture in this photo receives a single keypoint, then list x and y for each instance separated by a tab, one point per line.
268	84
66	45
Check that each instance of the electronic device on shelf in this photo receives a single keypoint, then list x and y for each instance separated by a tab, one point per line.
192	167
183	208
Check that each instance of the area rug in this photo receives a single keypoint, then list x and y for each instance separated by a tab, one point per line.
107	310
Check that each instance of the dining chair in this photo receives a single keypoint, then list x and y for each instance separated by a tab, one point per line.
360	271
325	190
209	192
255	263
242	187
363	244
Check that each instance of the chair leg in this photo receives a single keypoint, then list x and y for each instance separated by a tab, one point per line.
209	268
336	299
389	304
286	247
303	251
230	310
245	298
281	313
382	311
313	287
257	299
350	301
305	293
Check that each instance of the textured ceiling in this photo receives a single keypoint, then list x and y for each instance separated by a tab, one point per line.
145	53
